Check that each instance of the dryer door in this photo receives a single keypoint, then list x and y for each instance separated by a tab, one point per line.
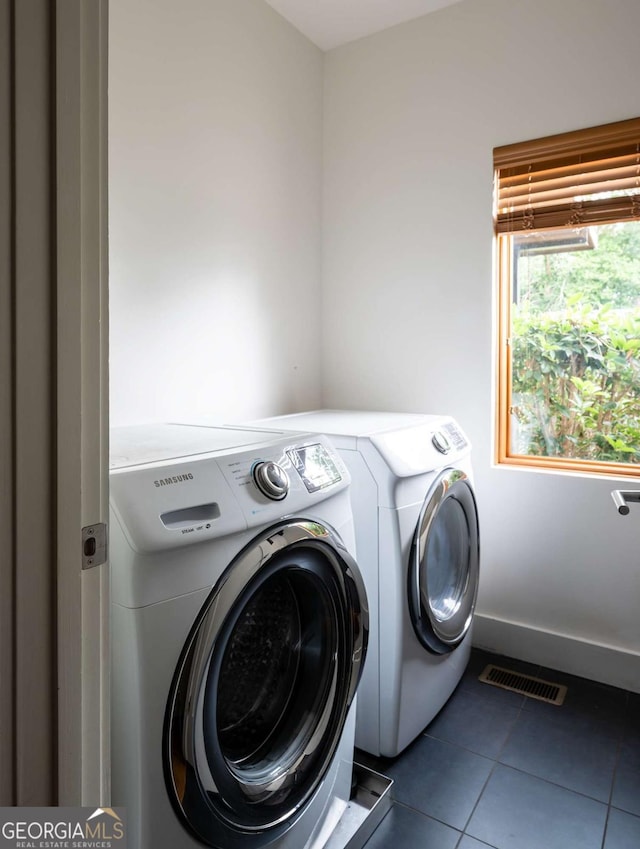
260	698
444	563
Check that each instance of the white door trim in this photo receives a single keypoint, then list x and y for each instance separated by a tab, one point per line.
82	398
54	716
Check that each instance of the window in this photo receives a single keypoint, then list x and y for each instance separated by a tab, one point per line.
567	223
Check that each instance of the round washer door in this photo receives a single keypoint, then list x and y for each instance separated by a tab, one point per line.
444	563
260	697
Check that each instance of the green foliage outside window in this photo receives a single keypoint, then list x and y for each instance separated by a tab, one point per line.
575	349
576	384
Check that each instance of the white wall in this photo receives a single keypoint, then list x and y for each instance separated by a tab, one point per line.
215	157
216	145
411	118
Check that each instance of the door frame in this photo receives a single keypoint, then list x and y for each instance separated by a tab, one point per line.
54	633
7	487
81	452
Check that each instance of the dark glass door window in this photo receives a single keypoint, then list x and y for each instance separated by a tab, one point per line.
260	698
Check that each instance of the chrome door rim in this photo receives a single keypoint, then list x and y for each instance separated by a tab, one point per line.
185	751
437	635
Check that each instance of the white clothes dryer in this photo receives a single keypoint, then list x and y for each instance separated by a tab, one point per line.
418	548
239	630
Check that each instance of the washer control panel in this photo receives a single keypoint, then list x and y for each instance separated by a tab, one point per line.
315	465
172	485
271	479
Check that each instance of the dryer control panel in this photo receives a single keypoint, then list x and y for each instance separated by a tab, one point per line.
423	447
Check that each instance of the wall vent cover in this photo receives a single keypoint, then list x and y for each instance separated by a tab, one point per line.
535	688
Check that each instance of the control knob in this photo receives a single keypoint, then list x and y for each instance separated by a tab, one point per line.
271	479
440	442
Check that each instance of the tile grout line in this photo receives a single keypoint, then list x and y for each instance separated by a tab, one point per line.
522	708
427	816
518	711
496	763
621	742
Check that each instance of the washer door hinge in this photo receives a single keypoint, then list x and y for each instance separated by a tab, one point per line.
94	545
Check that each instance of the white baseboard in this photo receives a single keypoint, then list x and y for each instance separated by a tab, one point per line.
608	665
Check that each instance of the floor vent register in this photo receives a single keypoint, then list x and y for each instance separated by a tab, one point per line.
535	688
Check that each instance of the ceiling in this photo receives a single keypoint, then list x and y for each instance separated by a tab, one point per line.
329	23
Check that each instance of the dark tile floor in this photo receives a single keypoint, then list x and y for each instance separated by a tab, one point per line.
497	769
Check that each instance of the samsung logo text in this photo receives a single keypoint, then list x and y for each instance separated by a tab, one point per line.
175	479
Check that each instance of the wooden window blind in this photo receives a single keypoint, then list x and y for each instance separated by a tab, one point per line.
569	180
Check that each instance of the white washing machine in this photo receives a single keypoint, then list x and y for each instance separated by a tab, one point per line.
239	628
417	541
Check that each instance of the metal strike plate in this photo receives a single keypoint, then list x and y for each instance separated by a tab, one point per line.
94	545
